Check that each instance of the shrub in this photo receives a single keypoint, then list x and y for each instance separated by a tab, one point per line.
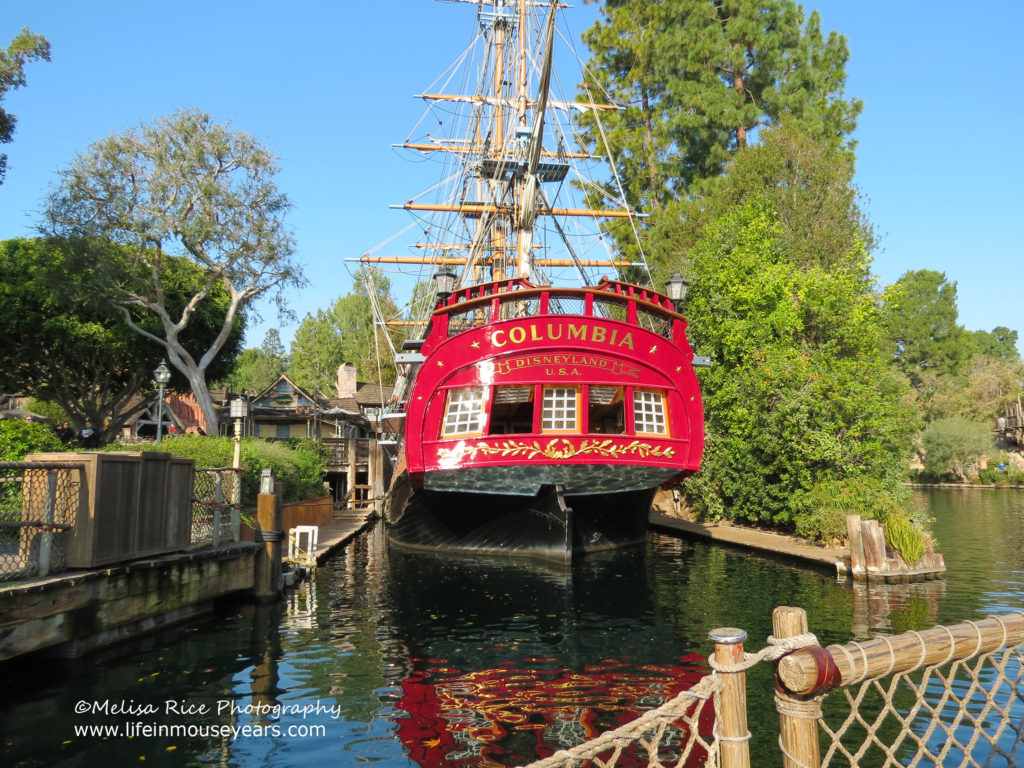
903	536
52	411
18	438
991	476
824	509
299	469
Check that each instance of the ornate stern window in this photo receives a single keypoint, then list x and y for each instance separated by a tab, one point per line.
560	410
649	413
464	414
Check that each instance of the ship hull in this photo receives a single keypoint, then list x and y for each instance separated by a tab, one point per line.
550	525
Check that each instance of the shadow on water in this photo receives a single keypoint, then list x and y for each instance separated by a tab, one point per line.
511	661
61	711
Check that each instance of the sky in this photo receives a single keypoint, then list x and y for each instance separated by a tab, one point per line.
330	85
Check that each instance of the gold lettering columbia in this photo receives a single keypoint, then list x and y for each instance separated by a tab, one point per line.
554	332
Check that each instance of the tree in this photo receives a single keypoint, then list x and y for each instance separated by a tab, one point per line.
952	445
64	343
798	400
699	78
24	48
999	344
919	315
797	395
186	187
347	332
256	368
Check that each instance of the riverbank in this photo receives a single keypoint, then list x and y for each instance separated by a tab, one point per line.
989	486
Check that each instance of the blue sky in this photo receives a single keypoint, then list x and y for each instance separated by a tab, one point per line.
329	86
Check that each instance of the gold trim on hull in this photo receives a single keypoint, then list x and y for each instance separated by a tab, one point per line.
557	449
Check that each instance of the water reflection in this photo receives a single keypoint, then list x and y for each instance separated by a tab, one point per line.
412	660
512	661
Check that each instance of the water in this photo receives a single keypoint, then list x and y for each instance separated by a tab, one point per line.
415	660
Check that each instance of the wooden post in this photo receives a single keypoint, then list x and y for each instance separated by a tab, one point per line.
797	735
857	562
350	477
735	746
874	547
268	559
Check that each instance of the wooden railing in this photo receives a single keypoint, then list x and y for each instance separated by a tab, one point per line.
340	450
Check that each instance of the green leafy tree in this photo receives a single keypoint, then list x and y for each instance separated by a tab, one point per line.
953	445
66	344
980	394
919	316
999	344
24	48
798	401
256	368
699	78
347	332
797	394
187	187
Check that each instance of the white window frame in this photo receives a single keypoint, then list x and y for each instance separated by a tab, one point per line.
558	418
467	418
649	412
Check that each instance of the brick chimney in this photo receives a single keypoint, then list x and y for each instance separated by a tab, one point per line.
347	380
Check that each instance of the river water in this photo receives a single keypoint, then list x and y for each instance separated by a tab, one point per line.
410	660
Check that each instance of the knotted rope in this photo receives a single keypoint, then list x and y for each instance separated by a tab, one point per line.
777	648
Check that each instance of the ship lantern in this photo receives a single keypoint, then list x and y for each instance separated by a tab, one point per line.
444	279
676	288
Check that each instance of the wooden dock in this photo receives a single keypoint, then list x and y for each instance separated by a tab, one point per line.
836	560
345	526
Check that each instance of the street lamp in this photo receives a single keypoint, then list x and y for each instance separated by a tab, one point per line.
676	288
162	374
444	280
239	411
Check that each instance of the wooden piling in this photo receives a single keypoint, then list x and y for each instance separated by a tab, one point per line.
874	547
268	561
797	735
857	563
735	746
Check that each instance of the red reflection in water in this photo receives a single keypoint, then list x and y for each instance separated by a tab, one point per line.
511	715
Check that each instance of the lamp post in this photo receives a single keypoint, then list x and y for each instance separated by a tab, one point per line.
444	280
239	410
162	374
676	287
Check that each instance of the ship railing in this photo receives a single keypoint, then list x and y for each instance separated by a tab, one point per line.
949	695
629	304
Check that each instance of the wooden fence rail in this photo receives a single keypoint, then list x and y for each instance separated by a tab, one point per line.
944	696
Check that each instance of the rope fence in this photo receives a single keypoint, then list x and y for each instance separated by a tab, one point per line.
948	696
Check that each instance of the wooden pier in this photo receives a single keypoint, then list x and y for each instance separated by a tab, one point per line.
835	560
868	559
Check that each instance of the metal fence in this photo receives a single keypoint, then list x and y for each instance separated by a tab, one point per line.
39	503
216	505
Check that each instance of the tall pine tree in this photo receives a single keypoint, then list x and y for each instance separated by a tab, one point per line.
698	79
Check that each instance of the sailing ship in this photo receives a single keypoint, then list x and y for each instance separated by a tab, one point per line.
533	415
